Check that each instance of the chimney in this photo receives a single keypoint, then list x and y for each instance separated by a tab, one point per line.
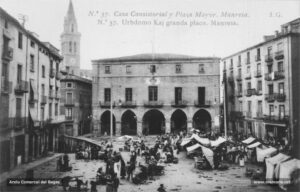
276	33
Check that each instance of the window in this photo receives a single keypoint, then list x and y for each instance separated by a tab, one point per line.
32	63
259	107
152	93
271	108
231	63
258	54
178	68
32	44
280	46
271	90
152	69
72	28
42	113
258	68
241	106
6	24
281	88
18	107
75	48
240	72
128	94
240	88
240	59
43	71
269	51
248	69
178	94
19	74
201	95
69	112
270	68
249	106
107	69
259	86
67	69
107	94
56	109
281	111
69	98
70	46
43	89
20	40
249	85
128	69
280	66
50	110
248	57
69	85
201	68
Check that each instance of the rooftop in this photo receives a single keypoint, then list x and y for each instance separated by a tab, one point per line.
155	57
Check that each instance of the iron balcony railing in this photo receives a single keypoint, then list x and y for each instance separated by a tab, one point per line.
248	114
280	97
239	77
257	57
52	73
236	115
205	103
128	104
7	53
153	104
57	95
269	58
179	103
51	94
6	86
279	55
106	104
43	99
276	119
247	61
70	102
257	74
21	87
248	75
276	75
250	92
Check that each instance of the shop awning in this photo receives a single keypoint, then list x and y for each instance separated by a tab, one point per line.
193	147
256	144
204	141
34	89
272	163
262	153
249	140
34	117
209	155
185	141
217	142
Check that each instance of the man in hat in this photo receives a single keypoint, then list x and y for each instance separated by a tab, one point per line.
161	188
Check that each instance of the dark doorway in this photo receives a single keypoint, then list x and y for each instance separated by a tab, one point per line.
153	123
4	156
201	95
178	121
202	120
105	123
19	149
128	123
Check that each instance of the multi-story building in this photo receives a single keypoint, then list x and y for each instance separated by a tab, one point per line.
30	88
262	84
76	84
76	104
155	93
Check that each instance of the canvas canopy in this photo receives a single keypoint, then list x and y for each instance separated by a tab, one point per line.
217	142
285	170
272	163
209	155
185	141
125	137
193	147
256	144
249	140
262	153
203	141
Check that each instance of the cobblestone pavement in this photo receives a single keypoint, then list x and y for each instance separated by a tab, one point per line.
178	177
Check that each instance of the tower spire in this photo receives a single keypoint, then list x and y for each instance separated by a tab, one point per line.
70	13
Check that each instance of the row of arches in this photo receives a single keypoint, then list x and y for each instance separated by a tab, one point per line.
154	122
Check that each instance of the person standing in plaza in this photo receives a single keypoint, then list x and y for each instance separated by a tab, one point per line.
109	183
116	182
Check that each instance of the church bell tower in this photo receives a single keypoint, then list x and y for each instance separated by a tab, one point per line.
70	43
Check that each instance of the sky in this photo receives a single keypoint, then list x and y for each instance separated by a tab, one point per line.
105	32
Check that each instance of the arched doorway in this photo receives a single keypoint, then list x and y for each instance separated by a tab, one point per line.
128	123
202	120
153	123
105	123
178	121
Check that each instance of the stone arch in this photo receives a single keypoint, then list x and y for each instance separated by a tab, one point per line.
154	122
105	123
128	123
202	120
178	121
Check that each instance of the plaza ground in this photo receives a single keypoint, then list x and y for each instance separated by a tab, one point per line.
178	177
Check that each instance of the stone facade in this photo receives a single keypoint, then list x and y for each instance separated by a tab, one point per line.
30	89
171	72
262	83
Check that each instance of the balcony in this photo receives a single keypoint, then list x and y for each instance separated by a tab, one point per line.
52	73
247	61
32	100
239	77
70	102
259	115
239	63
43	99
257	57
6	86
276	75
202	103
270	97
8	53
269	58
239	94
51	94
248	114
280	97
68	118
279	55
250	92
276	119
57	95
21	87
257	74
231	67
230	79
179	104
236	115
128	104
248	76
18	122
258	92
153	104
58	76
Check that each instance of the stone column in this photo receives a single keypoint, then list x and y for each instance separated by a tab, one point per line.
189	125
118	128
26	140
139	127
168	126
12	152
